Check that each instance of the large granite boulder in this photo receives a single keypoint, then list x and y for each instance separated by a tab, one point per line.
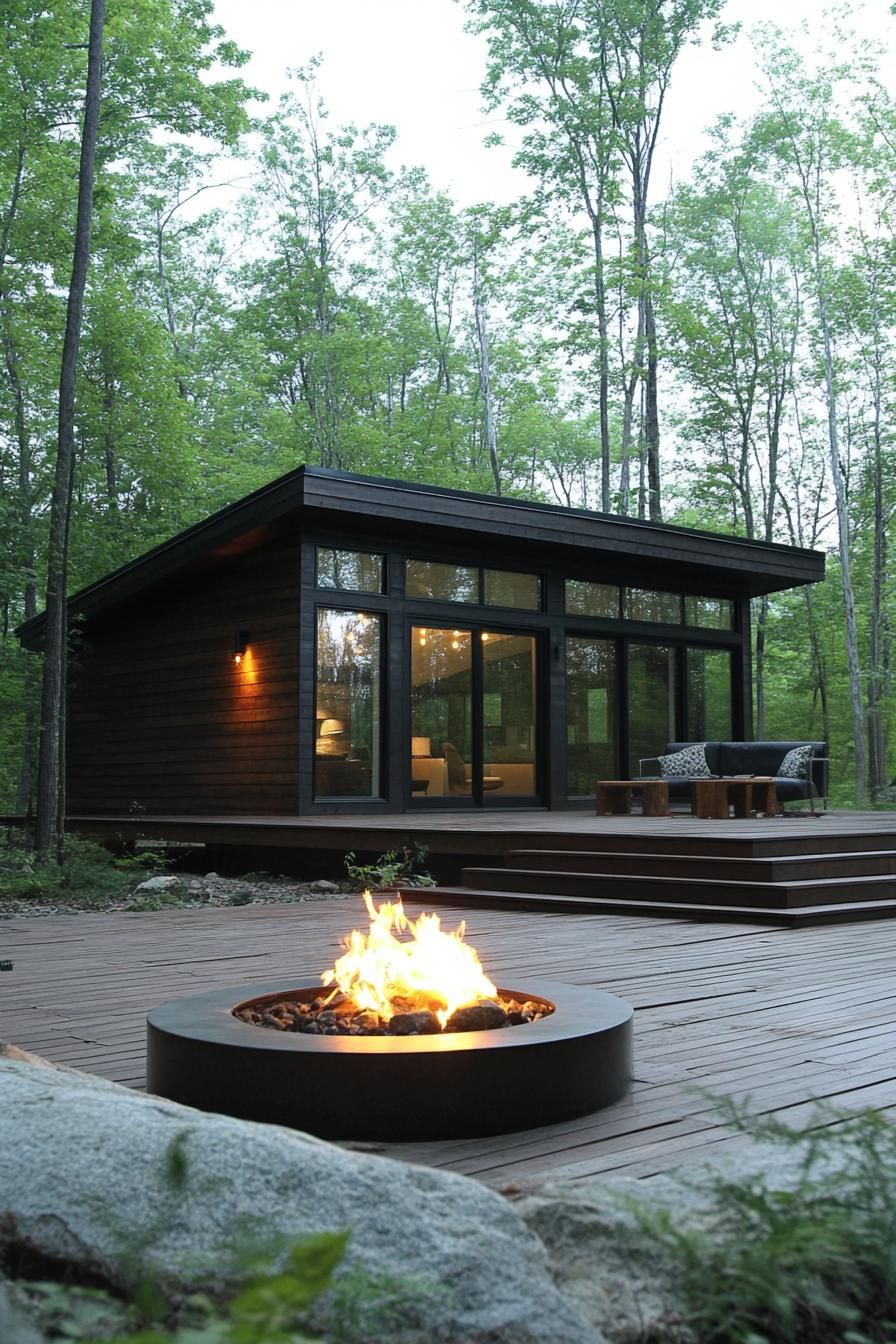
600	1232
86	1178
603	1258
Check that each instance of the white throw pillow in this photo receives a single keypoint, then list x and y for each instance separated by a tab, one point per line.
690	763
795	764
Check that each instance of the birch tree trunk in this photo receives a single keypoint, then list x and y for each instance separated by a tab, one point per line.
842	506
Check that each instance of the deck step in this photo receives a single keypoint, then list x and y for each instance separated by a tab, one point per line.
799	917
781	868
717	892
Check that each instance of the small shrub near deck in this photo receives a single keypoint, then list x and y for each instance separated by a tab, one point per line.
88	876
404	866
813	1264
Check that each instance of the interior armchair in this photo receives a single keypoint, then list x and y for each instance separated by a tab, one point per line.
459	778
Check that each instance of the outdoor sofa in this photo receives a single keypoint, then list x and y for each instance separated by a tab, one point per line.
724	759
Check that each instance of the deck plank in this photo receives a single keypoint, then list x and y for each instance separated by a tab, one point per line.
781	1017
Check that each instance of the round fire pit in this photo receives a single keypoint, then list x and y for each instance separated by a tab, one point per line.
457	1085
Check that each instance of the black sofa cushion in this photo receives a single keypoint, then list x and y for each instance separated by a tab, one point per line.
762	758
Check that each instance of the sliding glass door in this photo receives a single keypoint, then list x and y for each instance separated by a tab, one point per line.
473	714
441	722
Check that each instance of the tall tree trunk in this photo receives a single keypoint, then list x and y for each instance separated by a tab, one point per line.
27	769
629	387
819	667
761	627
849	605
50	820
877	755
600	300
488	410
652	415
170	315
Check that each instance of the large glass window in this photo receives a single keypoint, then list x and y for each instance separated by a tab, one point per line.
508	713
591	713
709	695
347	753
448	583
651	702
584	598
641	604
506	588
712	613
441	713
352	571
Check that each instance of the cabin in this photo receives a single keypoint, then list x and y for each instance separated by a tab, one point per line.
336	643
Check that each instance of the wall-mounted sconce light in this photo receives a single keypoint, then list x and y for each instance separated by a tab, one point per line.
240	644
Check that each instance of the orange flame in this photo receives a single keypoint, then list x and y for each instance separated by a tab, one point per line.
433	969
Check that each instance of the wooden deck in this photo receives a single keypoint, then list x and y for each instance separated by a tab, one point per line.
494	832
778	1016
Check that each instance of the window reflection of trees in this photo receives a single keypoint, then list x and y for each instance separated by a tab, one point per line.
591	713
348	703
356	571
709	694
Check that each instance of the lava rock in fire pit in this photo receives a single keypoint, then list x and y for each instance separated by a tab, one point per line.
481	1016
423	1023
366	1021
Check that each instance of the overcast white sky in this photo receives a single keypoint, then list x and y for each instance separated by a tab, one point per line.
410	63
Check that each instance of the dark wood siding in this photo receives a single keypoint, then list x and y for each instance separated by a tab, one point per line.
161	718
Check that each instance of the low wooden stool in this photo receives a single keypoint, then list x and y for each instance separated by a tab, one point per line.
711	798
613	797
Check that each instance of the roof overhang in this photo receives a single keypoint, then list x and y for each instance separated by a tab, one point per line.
316	497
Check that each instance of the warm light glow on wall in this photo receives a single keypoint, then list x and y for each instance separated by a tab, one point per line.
245	663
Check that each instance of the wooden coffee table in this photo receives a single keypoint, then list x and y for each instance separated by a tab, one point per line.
614	797
743	794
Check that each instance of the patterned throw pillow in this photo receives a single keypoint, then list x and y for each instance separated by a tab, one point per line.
795	764
690	763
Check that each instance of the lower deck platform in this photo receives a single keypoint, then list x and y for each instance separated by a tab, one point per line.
493	833
799	868
778	1018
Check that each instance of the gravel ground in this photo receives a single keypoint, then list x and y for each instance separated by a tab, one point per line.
187	891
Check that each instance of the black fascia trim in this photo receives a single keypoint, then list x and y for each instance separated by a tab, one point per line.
561	510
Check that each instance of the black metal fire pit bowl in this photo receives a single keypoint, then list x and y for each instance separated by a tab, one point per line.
457	1085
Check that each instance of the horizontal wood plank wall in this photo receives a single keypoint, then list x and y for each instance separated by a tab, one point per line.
161	718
